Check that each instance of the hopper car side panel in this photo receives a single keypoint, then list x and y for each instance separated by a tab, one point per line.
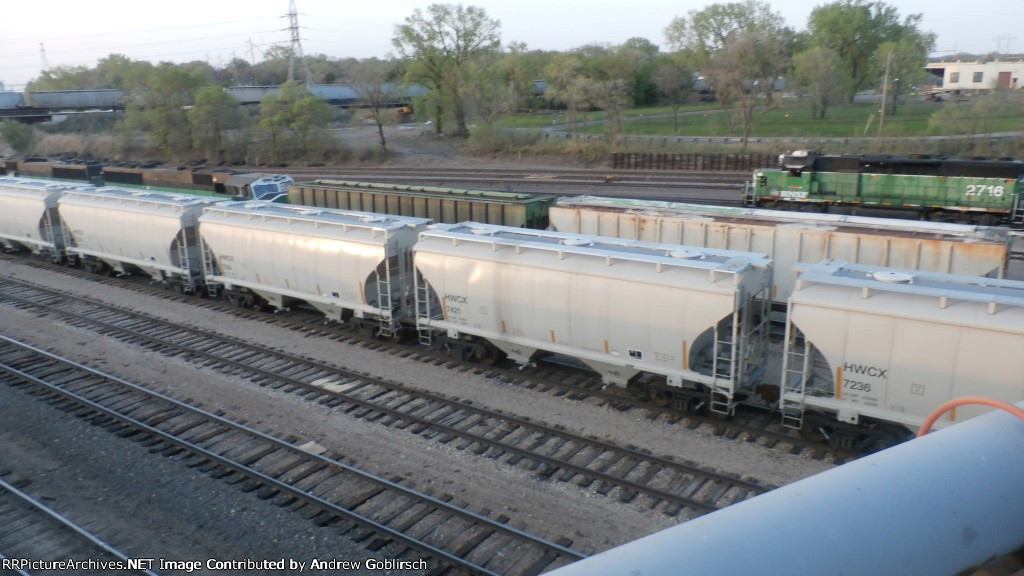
132	230
860	348
29	219
621	308
339	262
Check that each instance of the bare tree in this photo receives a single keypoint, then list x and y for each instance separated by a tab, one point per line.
743	73
376	87
819	72
674	80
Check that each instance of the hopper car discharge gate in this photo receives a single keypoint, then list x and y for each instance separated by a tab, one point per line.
718	364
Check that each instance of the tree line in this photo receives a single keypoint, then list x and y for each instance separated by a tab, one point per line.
736	51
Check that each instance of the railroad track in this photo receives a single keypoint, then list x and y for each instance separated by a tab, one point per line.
748	425
551	452
678	186
32	532
291	472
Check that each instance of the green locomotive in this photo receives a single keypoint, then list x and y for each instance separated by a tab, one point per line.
980	191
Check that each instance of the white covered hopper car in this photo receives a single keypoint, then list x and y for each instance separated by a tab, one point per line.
135	230
877	348
29	219
345	264
792	237
693	319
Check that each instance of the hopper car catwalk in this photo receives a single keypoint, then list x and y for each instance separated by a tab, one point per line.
684	324
942	189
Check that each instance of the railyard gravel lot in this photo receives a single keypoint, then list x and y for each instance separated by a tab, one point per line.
189	499
159	507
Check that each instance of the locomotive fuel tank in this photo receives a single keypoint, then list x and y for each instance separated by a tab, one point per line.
792	237
690	316
341	262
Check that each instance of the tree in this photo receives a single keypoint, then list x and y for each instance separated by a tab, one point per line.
16	134
443	41
741	48
158	107
674	80
295	112
855	29
375	83
566	84
906	58
214	113
745	71
493	91
708	31
819	73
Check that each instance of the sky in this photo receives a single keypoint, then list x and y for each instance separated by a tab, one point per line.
79	33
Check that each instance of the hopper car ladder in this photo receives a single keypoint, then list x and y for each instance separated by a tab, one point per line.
54	234
185	240
210	270
795	370
423	309
391	271
737	347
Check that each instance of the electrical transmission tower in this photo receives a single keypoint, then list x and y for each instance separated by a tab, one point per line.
43	62
1004	43
296	51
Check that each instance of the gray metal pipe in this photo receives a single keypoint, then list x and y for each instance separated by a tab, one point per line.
940	504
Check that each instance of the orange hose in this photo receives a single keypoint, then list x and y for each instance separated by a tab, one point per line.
946	406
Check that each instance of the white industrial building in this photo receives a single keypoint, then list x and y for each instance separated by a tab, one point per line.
985	74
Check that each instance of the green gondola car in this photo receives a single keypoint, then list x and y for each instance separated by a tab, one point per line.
443	205
981	191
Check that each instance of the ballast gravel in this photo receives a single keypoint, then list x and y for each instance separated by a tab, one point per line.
546	507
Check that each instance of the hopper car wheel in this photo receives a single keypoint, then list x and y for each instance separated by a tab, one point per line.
817	428
656	390
396	336
882	435
490	355
658	397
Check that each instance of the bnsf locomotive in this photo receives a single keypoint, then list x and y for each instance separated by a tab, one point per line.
980	191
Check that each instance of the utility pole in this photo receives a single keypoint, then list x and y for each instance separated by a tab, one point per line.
44	64
296	47
885	93
252	59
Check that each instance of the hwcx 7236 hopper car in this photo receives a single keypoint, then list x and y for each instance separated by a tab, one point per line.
877	350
